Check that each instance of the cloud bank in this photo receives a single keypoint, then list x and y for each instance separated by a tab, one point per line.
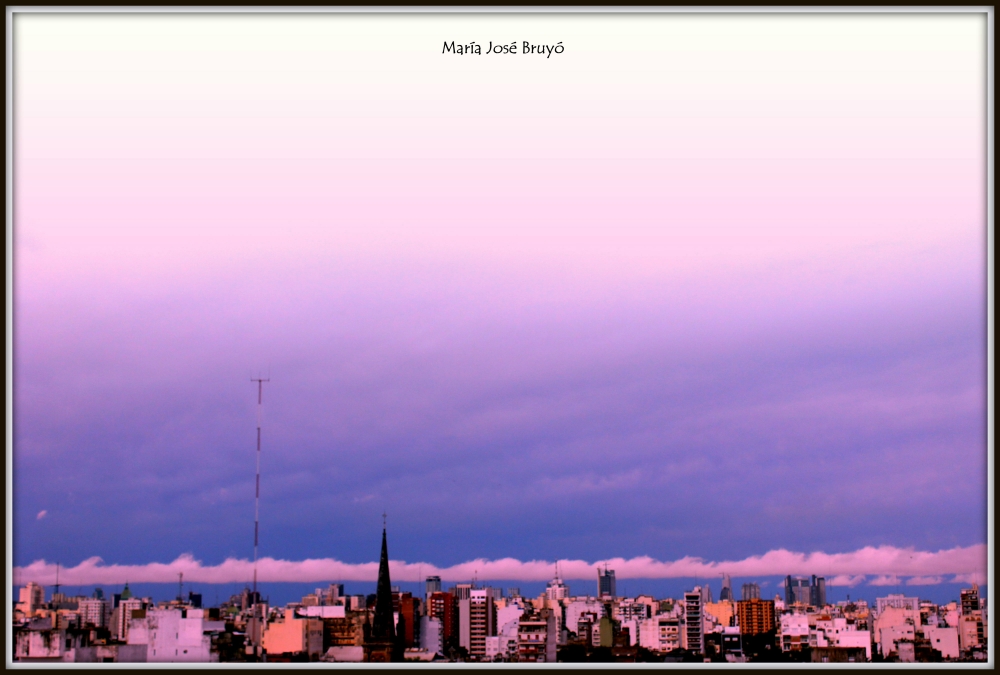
886	563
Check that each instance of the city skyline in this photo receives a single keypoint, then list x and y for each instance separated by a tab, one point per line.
537	312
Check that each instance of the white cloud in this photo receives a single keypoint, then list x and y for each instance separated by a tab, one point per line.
41	514
850	580
925	581
888	562
885	580
973	578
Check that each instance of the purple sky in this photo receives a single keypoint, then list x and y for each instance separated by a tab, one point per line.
606	326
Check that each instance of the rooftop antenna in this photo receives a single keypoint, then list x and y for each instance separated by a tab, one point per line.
256	507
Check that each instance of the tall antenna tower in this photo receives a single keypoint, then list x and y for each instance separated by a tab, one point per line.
255	633
256	504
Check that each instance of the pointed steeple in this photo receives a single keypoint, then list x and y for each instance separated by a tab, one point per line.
383	625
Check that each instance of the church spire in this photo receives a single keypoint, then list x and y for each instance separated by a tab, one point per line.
383	625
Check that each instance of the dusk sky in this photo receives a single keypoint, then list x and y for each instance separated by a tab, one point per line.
706	286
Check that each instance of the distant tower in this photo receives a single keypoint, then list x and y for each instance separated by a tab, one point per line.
255	628
751	591
606	583
727	589
817	591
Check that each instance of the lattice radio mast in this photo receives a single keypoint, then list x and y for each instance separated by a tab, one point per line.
256	504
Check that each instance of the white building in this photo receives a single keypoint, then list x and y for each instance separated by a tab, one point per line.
536	637
944	639
578	607
897	601
32	597
46	644
794	631
557	589
323	611
628	609
660	634
125	609
694	621
431	634
837	632
175	635
632	626
93	611
889	637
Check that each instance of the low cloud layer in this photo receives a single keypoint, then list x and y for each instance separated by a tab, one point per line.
886	563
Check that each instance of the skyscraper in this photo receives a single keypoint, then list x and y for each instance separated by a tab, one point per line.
797	590
817	591
606	583
751	591
727	588
433	585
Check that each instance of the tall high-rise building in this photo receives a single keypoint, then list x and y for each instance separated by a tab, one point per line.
444	606
433	585
970	600
126	607
556	589
606	583
797	591
706	595
817	591
482	621
755	616
727	588
751	591
694	625
93	611
408	626
32	597
461	591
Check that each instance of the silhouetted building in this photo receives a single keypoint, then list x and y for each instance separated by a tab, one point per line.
817	591
606	583
433	585
751	592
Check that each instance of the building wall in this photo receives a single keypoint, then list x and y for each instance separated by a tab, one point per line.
481	621
723	611
755	616
465	623
170	637
944	639
694	628
431	634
